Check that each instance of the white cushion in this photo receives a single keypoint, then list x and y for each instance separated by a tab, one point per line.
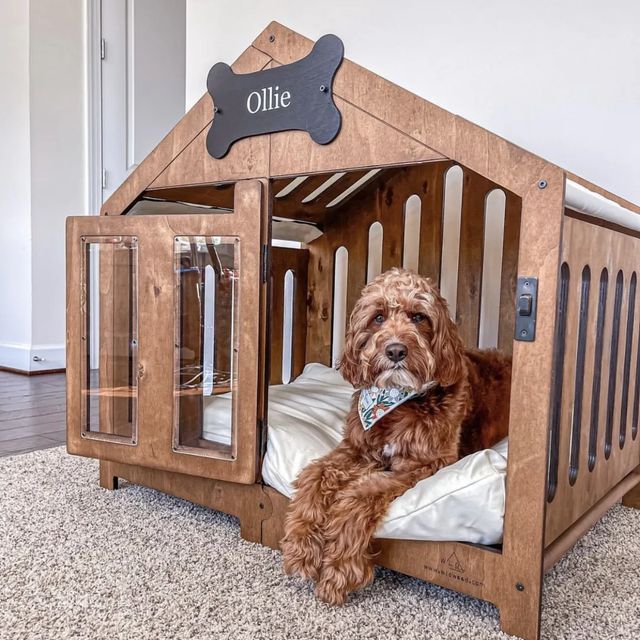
464	501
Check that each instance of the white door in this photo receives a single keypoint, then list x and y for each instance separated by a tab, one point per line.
143	80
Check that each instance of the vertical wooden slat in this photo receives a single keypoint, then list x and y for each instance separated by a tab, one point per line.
563	379
593	355
579	368
283	260
355	237
475	189
509	275
276	318
634	417
430	256
614	374
627	346
390	204
320	301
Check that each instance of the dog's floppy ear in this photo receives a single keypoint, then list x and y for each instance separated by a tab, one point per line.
447	346
350	364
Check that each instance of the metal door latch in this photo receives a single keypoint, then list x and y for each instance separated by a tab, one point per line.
526	308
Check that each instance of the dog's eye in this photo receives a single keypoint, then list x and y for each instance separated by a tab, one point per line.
418	317
379	319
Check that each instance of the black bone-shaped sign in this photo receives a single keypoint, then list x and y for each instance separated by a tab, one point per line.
294	96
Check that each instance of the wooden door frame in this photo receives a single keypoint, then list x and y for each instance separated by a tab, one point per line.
155	234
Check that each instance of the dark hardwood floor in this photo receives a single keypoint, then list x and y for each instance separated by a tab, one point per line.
32	412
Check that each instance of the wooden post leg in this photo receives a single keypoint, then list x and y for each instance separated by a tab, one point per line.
253	513
107	478
520	615
250	529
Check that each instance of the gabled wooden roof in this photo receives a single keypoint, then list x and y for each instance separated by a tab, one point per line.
382	125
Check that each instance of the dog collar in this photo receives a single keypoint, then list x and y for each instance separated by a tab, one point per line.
376	402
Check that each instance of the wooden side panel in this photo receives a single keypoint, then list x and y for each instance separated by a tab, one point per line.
383	203
594	473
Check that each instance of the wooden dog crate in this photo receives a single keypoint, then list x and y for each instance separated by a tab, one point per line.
428	190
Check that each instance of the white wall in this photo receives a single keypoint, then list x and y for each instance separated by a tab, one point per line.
558	78
42	179
58	160
15	174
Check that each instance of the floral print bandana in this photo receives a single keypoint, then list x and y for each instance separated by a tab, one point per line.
376	402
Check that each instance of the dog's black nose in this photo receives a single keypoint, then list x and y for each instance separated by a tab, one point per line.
396	352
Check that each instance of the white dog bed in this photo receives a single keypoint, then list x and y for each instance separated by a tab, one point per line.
463	502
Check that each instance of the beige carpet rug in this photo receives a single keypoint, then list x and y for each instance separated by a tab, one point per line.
77	561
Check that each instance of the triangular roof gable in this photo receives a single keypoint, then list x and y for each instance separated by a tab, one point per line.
383	124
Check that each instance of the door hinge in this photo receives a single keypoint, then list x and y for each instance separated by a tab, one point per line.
103	49
526	309
265	262
104	178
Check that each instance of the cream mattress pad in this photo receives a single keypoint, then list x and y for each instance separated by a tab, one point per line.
464	501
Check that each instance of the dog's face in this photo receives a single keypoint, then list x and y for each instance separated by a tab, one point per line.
400	335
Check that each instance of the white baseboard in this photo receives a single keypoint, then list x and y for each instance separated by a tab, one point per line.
20	357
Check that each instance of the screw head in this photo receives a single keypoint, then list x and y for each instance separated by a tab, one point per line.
523	332
542	184
216	109
272	38
323	89
519	586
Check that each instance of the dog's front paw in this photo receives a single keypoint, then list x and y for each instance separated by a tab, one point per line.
338	579
302	555
332	587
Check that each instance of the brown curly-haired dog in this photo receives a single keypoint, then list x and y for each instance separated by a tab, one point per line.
400	335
